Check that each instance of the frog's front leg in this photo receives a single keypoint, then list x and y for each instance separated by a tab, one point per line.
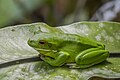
59	60
91	57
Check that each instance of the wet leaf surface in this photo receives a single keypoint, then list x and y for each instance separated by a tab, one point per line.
13	45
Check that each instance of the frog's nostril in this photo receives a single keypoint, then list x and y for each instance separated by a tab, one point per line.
31	43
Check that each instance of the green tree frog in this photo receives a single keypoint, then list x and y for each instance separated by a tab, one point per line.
58	49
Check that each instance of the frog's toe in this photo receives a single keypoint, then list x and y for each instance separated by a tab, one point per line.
45	58
73	65
41	56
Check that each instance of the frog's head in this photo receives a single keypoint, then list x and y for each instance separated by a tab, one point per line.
44	43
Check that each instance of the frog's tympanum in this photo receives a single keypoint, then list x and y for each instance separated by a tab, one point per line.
58	49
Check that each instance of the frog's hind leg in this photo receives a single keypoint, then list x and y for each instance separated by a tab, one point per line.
91	57
59	60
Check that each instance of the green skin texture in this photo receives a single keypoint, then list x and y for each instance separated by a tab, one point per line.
58	49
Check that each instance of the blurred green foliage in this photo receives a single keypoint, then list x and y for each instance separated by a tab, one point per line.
8	12
57	12
13	11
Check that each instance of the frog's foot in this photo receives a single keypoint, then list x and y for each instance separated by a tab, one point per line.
91	57
73	65
58	61
42	56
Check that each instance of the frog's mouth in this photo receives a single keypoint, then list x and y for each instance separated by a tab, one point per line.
46	50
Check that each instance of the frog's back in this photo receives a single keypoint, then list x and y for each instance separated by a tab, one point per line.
72	38
64	37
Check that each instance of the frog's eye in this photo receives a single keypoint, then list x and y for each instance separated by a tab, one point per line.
42	42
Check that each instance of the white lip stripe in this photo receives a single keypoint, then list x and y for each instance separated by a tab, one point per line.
46	50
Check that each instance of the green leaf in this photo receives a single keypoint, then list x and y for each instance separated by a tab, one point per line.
9	12
13	45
